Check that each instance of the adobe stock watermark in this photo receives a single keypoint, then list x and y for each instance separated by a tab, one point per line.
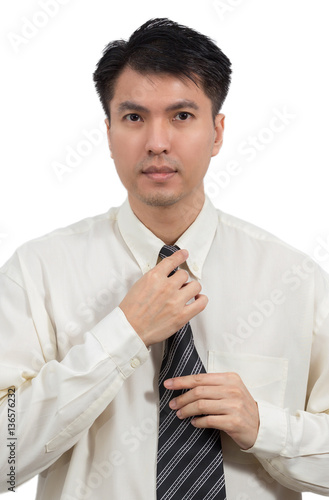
31	26
84	316
264	308
248	150
130	441
259	480
75	155
223	7
91	139
321	249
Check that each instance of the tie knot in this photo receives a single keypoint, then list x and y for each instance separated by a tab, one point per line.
168	250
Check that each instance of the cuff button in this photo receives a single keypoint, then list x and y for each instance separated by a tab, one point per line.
134	363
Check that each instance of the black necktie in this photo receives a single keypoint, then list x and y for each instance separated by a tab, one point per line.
189	462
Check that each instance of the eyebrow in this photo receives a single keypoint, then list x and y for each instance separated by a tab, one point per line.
131	105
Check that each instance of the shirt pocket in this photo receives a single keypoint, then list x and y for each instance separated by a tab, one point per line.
264	376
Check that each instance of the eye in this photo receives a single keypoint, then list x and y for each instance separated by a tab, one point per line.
183	116
133	117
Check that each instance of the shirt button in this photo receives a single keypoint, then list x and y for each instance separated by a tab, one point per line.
195	267
134	363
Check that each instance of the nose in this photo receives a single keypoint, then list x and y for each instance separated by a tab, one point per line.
158	138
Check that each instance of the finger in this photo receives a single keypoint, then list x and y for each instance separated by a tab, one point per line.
220	422
202	407
168	264
179	279
191	310
195	308
209	392
191	381
190	290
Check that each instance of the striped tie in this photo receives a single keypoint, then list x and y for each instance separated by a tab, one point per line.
189	463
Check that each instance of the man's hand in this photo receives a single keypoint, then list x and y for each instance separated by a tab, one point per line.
156	306
223	401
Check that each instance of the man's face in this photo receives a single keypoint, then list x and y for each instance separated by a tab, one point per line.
162	136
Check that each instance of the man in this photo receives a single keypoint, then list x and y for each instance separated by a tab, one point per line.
88	311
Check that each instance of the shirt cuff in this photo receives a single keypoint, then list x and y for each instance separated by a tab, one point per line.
272	433
120	341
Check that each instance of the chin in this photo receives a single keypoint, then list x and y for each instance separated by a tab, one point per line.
160	199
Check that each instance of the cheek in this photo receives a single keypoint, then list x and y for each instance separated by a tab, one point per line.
126	154
116	144
124	150
196	150
200	140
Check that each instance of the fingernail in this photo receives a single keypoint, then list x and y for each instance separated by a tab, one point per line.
168	383
179	414
185	252
173	404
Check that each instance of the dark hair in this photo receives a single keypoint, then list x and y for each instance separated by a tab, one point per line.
163	46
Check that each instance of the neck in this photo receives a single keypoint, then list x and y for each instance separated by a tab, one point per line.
167	222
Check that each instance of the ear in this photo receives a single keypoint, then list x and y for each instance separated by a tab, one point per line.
218	133
107	123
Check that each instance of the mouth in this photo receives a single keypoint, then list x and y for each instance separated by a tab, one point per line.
162	173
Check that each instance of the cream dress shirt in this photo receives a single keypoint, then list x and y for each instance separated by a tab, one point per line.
86	385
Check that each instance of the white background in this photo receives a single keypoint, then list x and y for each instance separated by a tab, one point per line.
48	106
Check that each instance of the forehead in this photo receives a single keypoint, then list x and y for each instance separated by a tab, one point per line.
156	89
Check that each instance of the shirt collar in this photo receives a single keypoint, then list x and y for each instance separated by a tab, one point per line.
145	246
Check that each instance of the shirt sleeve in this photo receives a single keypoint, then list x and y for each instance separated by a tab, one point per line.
294	446
53	405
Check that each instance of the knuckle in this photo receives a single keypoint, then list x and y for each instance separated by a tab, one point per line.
198	391
238	406
201	406
235	378
182	274
235	424
232	379
230	426
198	379
234	393
210	420
175	258
195	287
153	275
204	303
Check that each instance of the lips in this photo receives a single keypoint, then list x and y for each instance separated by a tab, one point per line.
159	170
159	174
